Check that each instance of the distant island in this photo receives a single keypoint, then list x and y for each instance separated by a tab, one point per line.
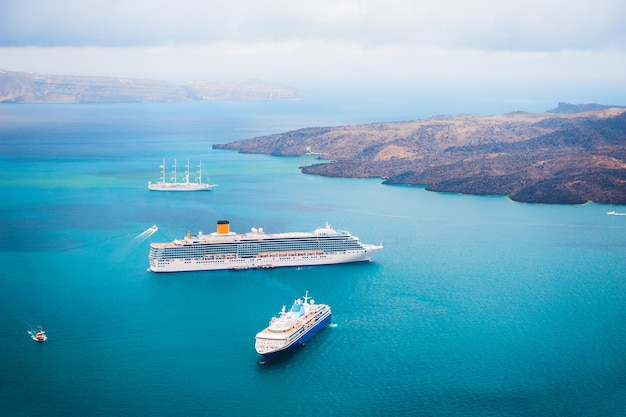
20	87
569	155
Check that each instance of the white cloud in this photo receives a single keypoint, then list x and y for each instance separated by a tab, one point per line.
529	25
370	41
297	61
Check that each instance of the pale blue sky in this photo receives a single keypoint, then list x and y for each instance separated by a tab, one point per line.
436	42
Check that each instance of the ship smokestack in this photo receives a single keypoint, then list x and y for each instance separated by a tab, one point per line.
223	227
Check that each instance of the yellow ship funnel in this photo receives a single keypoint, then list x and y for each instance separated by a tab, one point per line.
188	235
223	227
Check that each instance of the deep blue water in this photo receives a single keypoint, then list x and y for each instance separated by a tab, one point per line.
476	306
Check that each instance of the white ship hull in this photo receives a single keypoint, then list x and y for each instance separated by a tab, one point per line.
208	264
272	348
179	187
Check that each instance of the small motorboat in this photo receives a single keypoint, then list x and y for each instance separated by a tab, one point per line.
40	336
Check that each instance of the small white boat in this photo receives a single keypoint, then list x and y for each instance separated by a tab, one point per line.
40	336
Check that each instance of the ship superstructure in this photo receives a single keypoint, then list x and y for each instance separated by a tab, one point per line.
224	249
292	328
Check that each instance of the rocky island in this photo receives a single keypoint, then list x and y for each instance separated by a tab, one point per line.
569	155
20	87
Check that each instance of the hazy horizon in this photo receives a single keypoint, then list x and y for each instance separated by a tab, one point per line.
399	101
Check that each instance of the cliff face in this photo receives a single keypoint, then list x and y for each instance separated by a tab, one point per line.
538	158
18	87
568	108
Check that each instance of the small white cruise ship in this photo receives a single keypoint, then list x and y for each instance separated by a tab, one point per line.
224	249
185	185
292	328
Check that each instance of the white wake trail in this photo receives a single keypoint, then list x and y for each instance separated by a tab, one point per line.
146	233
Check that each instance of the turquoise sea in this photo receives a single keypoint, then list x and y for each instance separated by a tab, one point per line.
476	306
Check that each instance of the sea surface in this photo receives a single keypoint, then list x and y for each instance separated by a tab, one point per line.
476	306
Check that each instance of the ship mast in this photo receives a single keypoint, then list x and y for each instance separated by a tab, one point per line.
199	178
174	173
163	171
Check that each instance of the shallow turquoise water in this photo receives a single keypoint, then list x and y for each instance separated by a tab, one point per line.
475	307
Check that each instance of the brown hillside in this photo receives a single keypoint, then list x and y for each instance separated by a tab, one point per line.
541	158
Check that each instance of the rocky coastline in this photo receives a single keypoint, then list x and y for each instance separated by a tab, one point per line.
20	87
569	155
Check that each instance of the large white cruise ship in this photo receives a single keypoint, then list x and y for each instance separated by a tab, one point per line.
224	249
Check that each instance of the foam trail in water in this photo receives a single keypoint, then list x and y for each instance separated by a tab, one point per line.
146	233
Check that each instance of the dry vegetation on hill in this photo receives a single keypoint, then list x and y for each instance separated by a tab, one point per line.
560	158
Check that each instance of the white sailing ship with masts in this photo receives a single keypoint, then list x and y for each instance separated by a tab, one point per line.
185	185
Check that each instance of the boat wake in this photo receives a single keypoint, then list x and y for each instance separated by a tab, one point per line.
146	233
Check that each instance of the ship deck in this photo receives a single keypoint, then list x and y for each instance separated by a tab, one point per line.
241	238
